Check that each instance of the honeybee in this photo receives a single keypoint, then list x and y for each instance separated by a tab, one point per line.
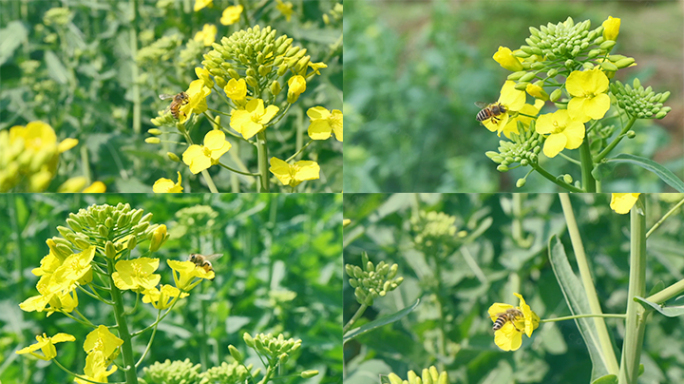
204	261
179	100
509	315
490	111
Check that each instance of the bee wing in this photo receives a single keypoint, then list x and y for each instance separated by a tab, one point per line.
213	257
481	104
165	96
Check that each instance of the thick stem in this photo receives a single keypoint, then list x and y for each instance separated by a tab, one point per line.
356	316
554	179
667	293
134	68
588	181
636	315
262	153
588	284
122	327
209	181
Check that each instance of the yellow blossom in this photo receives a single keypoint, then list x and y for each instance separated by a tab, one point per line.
164	297
622	203
203	74
236	89
315	67
293	174
102	340
136	274
46	345
159	236
197	99
167	186
253	118
207	35
527	109
199	4
185	273
75	269
611	28
285	9
512	100
324	123
564	132
509	336
505	58
231	15
96	369
537	91
588	89
96	187
297	84
201	157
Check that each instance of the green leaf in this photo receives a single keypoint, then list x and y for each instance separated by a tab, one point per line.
667	311
12	37
384	380
579	304
56	69
379	322
607	379
665	174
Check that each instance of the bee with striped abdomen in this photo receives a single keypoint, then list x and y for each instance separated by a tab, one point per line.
502	318
179	100
488	111
204	261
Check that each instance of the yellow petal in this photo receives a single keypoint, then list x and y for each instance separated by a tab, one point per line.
320	130
574	84
574	133
66	145
307	170
545	123
96	187
318	113
596	107
214	139
554	144
576	109
508	338
505	58
622	203
496	309
611	28
281	170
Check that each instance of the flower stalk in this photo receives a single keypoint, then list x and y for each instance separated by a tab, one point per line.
588	181
122	327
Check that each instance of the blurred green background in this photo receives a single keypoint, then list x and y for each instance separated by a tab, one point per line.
78	76
500	247
280	272
414	69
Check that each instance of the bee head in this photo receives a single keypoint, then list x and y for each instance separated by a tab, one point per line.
183	96
193	257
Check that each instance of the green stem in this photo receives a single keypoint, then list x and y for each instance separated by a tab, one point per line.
240	172
554	179
636	314
570	159
588	182
209	181
262	153
134	68
615	142
81	377
140	332
589	289
149	343
605	315
662	219
356	316
127	347
667	293
298	152
86	164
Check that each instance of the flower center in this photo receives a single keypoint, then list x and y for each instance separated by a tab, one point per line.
557	128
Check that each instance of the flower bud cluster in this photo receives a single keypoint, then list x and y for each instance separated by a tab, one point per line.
429	376
112	228
163	49
523	148
234	372
57	16
433	227
29	156
277	349
640	102
195	218
373	280
177	372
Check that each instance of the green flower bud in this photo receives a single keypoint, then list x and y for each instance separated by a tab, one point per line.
552	73
567	178
556	94
624	63
608	66
103	231
607	45
502	168
521	86
282	69
237	355
154	131
248	339
132	242
152	140
264	70
520	183
251	81
233	74
283	358
593	53
528	77
308	374
172	156
275	88
516	75
663	98
110	251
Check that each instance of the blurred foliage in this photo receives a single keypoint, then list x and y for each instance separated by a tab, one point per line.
93	70
457	281
280	272
414	70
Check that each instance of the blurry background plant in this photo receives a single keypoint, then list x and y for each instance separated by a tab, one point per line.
279	274
93	71
451	328
414	71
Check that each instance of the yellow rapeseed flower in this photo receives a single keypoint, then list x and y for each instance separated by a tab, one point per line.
505	58
527	109
96	369
509	336
102	340
207	35
588	89
164	297
294	174
95	187
622	203
46	345
203	74
297	85
185	273
136	274
231	15
75	269
285	9
564	132
537	92
159	236
611	28
199	4
236	90
197	99
201	157
253	118
167	186
324	123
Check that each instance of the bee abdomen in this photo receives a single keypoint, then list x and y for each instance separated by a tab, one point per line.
499	323
484	114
